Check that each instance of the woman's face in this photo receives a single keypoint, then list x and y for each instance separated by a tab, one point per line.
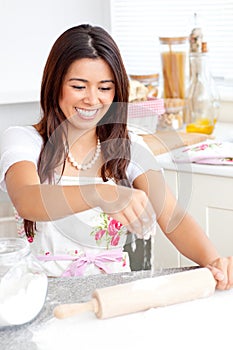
87	92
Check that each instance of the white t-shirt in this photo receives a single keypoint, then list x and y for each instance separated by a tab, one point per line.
59	244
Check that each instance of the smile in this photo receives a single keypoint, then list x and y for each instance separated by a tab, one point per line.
88	114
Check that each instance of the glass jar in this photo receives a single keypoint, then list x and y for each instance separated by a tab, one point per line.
151	81
174	57
172	119
23	283
202	97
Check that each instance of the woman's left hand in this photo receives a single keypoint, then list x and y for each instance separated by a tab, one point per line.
222	270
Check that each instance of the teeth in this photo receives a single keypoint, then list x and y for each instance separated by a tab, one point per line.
86	113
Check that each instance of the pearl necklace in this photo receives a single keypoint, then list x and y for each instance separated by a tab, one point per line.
87	165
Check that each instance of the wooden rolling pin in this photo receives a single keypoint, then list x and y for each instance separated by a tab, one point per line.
144	294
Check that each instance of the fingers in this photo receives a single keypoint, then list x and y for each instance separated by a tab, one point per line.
222	270
148	222
218	275
138	215
144	219
138	221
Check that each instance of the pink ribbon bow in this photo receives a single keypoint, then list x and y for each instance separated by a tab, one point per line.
78	266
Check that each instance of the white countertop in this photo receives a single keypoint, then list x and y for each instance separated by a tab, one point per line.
222	132
199	324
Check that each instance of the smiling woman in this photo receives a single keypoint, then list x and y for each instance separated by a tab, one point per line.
80	143
81	181
87	92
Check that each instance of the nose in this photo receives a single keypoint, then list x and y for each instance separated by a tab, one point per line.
91	96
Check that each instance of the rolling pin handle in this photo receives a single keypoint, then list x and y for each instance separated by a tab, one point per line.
68	310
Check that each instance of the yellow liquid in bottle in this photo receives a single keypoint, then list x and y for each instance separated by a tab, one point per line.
203	126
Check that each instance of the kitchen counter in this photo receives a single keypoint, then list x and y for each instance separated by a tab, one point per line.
173	325
170	142
66	290
166	162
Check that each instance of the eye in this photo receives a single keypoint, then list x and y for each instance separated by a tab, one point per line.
105	88
78	87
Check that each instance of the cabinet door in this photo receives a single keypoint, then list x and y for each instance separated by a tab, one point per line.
212	206
209	199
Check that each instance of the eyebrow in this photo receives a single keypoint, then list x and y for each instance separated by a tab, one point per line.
86	81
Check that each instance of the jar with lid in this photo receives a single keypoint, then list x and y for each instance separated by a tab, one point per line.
150	81
202	97
23	283
174	58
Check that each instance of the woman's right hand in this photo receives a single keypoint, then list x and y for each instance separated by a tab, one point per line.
130	206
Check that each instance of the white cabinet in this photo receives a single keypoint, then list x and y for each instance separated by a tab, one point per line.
207	192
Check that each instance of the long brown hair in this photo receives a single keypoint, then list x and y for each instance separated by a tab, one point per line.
83	41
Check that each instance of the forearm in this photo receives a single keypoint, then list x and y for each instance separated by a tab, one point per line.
42	202
51	202
192	242
180	228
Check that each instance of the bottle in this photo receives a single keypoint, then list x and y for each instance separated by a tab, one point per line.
196	36
23	283
202	97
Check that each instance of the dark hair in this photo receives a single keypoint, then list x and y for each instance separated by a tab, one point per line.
83	41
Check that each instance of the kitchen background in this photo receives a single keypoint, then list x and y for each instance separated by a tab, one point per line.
28	29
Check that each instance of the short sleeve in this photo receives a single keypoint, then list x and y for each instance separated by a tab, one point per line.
18	143
142	158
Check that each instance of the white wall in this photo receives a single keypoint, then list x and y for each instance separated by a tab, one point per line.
27	31
18	114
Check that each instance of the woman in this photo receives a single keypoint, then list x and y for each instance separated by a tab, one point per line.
80	179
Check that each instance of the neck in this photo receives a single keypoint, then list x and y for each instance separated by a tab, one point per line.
85	138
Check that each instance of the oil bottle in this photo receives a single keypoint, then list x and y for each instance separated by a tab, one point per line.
202	96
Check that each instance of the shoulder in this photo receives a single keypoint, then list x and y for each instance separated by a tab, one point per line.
21	135
18	131
18	143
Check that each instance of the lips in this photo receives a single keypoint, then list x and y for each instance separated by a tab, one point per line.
86	114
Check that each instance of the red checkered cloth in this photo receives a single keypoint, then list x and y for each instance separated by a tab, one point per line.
148	108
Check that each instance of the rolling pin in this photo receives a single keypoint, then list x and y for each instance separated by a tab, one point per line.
144	294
